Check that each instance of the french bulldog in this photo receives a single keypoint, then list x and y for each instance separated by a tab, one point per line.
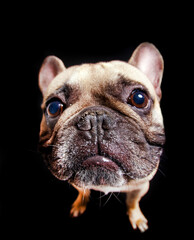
102	126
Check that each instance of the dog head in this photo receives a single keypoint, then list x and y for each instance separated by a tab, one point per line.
102	125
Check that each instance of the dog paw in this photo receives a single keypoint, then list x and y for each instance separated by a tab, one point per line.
76	211
142	225
138	220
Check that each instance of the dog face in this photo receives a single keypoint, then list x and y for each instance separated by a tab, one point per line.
102	125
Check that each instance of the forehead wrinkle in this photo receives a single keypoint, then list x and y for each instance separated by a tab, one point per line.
131	73
125	80
95	77
89	78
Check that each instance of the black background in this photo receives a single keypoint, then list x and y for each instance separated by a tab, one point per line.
33	202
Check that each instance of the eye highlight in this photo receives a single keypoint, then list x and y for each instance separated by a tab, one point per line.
54	108
138	98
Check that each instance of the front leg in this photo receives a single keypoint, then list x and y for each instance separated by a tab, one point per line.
136	217
79	206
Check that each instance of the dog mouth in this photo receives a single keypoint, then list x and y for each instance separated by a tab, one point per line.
98	171
100	161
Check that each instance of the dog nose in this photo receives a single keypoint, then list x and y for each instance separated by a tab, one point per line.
91	121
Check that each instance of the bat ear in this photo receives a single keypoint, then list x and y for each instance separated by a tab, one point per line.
148	59
50	68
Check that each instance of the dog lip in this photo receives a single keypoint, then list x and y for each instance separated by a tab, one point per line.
100	161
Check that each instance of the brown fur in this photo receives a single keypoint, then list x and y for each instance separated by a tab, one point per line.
100	141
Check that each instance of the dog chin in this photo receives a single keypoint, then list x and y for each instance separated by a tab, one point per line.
98	171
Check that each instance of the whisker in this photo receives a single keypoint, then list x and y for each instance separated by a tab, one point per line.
116	196
159	169
163	174
108	199
52	145
101	196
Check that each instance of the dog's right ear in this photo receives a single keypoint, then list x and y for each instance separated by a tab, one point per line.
50	68
148	59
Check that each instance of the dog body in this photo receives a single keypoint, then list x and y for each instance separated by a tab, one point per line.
102	126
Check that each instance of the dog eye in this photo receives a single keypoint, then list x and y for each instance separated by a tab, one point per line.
54	108
138	98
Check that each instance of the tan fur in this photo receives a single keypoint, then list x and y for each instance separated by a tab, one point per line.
92	80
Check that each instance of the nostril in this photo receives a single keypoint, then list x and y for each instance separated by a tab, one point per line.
106	122
84	124
95	121
105	125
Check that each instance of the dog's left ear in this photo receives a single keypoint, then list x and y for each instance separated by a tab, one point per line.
148	59
50	68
